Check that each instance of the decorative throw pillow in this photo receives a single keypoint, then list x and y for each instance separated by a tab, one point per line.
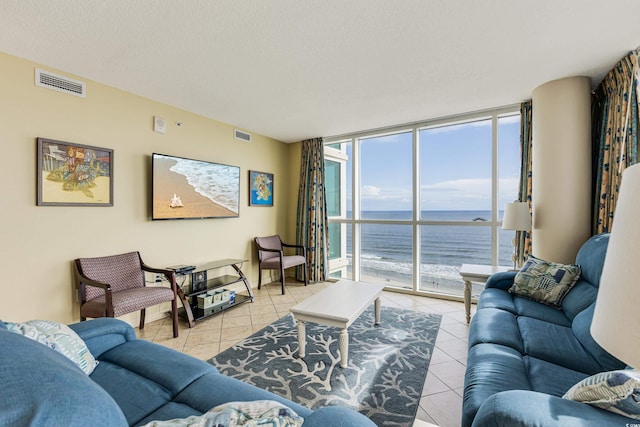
60	338
257	413
615	391
544	281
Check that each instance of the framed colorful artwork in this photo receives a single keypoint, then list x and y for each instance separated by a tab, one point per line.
260	188
72	174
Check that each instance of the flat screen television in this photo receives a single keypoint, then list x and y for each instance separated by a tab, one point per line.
189	189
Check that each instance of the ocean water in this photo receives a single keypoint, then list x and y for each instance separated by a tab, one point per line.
219	183
386	249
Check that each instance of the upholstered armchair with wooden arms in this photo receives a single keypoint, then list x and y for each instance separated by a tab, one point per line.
112	286
271	257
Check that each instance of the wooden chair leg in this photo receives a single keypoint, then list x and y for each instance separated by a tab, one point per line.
282	277
259	277
174	317
142	313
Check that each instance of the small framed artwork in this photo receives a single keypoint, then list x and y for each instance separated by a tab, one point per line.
72	174
260	188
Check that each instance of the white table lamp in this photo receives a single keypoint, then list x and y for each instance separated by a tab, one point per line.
617	313
516	217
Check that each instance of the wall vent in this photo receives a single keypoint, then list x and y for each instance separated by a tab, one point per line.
60	83
243	136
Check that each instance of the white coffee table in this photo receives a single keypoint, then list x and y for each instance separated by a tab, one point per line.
338	305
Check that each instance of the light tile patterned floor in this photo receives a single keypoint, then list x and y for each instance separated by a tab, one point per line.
441	402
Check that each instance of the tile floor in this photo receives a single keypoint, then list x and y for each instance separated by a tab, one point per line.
441	402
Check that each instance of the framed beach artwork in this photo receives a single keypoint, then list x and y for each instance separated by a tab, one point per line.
260	188
71	174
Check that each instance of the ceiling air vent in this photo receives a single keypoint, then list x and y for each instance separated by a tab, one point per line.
60	83
243	136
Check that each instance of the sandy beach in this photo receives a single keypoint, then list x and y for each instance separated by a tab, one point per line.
167	183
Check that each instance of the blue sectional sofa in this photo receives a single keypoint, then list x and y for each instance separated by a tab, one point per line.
524	355
135	382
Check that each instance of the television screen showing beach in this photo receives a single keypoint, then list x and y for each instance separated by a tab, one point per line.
187	188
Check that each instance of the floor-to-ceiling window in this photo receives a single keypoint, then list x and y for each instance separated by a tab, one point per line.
409	205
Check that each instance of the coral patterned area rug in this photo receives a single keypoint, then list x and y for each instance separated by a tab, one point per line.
384	378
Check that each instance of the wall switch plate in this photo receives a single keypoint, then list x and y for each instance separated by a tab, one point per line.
159	124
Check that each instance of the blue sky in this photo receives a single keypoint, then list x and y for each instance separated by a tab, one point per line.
455	164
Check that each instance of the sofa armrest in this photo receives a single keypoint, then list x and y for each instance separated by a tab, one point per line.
518	408
103	334
337	416
502	280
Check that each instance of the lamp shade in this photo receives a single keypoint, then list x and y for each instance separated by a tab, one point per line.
617	313
516	216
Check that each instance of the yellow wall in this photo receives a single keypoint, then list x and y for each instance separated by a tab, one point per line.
39	243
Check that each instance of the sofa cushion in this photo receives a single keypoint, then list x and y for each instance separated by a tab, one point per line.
581	328
169	368
544	281
615	391
549	378
229	389
526	408
591	256
499	299
135	395
556	344
141	385
535	310
491	369
581	296
492	325
42	387
103	334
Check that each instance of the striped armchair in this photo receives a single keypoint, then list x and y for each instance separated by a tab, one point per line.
112	286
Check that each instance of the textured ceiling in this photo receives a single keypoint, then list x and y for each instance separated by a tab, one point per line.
295	69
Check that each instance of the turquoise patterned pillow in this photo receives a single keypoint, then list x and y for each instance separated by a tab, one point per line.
60	338
544	281
615	391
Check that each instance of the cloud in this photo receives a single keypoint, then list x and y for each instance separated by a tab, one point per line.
477	185
474	185
466	193
471	194
369	191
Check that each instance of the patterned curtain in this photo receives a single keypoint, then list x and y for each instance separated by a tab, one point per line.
312	223
615	137
523	243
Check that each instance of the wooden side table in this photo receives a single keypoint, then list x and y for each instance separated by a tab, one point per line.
476	273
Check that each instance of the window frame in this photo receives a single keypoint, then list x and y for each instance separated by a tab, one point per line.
356	220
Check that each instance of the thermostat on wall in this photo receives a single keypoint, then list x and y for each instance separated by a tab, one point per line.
159	125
